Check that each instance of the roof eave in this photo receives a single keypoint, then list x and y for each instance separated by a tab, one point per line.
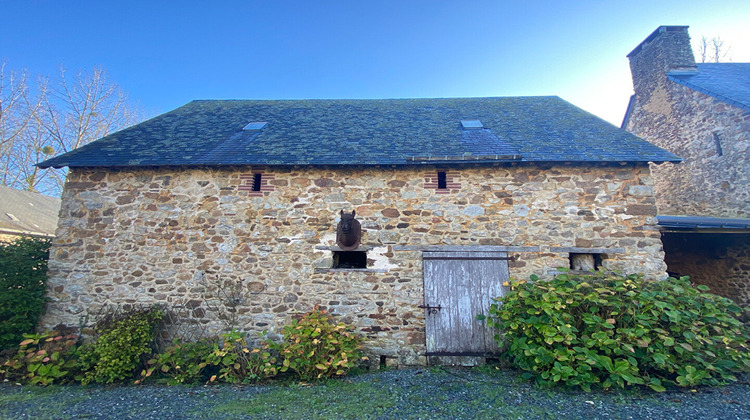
701	224
417	161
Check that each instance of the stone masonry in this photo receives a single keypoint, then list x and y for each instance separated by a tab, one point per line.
703	256
713	138
172	235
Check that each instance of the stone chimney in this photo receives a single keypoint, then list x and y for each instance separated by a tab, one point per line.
666	49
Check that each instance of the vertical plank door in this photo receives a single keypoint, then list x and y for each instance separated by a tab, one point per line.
462	284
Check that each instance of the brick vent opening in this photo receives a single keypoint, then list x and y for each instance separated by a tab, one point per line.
443	182
256	184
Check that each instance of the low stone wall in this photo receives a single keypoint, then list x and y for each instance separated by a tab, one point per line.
173	236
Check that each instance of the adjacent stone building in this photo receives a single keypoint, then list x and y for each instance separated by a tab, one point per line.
26	213
236	203
700	112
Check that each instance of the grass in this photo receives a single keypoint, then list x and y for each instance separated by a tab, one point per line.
443	393
439	393
332	399
47	401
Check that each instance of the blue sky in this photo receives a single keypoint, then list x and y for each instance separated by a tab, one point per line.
165	54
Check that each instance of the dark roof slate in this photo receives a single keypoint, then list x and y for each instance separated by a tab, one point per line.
728	82
366	132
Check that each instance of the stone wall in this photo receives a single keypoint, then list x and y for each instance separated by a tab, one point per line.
711	136
172	235
713	139
719	261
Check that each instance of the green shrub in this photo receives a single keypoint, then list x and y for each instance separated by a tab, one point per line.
23	273
315	348
206	361
44	359
181	363
238	364
121	343
607	330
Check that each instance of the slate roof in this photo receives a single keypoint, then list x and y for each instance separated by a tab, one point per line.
366	132
700	222
24	212
728	82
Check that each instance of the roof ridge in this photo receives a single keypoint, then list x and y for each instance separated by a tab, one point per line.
374	99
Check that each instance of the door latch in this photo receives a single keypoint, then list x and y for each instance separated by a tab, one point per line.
430	309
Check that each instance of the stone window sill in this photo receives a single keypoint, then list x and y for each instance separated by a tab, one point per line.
348	270
337	249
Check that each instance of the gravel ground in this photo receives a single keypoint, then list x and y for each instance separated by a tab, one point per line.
398	394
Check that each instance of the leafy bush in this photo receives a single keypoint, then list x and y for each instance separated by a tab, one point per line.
180	363
44	359
122	341
315	348
23	273
238	364
608	330
206	361
312	348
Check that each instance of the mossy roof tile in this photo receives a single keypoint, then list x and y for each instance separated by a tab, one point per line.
365	132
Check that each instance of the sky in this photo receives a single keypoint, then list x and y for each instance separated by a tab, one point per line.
167	53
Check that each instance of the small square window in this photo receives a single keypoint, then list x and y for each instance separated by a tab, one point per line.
349	259
585	262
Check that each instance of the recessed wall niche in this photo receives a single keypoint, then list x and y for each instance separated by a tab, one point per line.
349	259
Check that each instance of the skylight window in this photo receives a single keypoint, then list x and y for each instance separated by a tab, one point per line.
468	124
255	126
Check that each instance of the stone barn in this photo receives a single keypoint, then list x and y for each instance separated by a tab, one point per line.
701	112
453	197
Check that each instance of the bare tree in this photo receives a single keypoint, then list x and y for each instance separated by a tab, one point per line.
76	112
61	115
712	50
703	49
16	114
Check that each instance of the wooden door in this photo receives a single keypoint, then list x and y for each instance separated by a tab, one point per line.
457	287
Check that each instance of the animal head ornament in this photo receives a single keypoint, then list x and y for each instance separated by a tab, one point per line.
348	232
